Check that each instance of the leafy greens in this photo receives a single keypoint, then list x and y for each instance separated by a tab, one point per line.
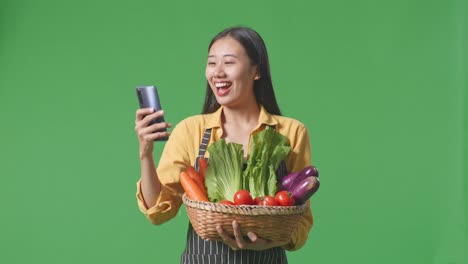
224	176
268	149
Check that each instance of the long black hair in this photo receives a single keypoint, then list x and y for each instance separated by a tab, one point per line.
257	52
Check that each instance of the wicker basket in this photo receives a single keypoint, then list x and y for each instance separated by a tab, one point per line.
271	222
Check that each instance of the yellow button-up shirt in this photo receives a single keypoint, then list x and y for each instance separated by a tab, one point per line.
181	150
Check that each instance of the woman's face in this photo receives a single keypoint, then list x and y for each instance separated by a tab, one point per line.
230	73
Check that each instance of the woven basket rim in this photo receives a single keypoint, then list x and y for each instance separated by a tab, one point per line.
244	209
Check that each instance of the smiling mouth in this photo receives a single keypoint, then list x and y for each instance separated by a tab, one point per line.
222	88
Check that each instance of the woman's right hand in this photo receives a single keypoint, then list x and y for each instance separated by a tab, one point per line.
147	134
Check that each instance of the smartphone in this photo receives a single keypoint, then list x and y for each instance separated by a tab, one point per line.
148	98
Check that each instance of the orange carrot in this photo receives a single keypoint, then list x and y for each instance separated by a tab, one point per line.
202	166
191	188
196	178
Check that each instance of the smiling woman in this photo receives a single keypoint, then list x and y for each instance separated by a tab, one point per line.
239	103
243	46
230	73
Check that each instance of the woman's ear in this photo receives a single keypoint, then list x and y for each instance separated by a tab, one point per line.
257	73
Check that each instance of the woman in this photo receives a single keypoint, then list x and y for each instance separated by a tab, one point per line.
239	102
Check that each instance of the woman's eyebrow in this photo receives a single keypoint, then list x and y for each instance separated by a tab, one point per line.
225	55
229	55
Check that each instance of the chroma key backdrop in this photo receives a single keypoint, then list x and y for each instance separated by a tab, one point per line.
381	86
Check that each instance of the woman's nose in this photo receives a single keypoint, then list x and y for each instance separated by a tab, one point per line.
219	72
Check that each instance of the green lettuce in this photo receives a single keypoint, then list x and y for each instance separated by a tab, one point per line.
224	176
267	149
224	173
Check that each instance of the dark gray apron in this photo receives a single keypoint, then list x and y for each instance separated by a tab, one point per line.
199	251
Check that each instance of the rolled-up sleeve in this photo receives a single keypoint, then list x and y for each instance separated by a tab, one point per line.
166	206
174	159
298	159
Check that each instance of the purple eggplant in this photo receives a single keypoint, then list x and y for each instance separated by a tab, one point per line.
291	179
288	181
304	189
309	171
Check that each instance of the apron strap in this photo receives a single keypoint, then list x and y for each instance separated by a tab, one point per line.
203	146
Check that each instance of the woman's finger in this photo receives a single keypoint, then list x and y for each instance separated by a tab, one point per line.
153	131
140	113
154	136
252	236
154	128
153	116
159	126
144	122
226	238
240	241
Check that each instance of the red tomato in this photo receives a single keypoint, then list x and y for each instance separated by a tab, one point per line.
243	197
257	200
269	201
226	202
284	198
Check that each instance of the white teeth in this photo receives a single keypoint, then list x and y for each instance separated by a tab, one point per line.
222	84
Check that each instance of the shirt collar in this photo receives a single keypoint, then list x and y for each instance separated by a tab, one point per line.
214	119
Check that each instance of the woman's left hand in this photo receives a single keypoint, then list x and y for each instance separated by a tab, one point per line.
253	243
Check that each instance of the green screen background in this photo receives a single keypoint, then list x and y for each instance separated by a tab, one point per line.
381	85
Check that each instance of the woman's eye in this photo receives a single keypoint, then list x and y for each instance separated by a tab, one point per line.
229	62
211	63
